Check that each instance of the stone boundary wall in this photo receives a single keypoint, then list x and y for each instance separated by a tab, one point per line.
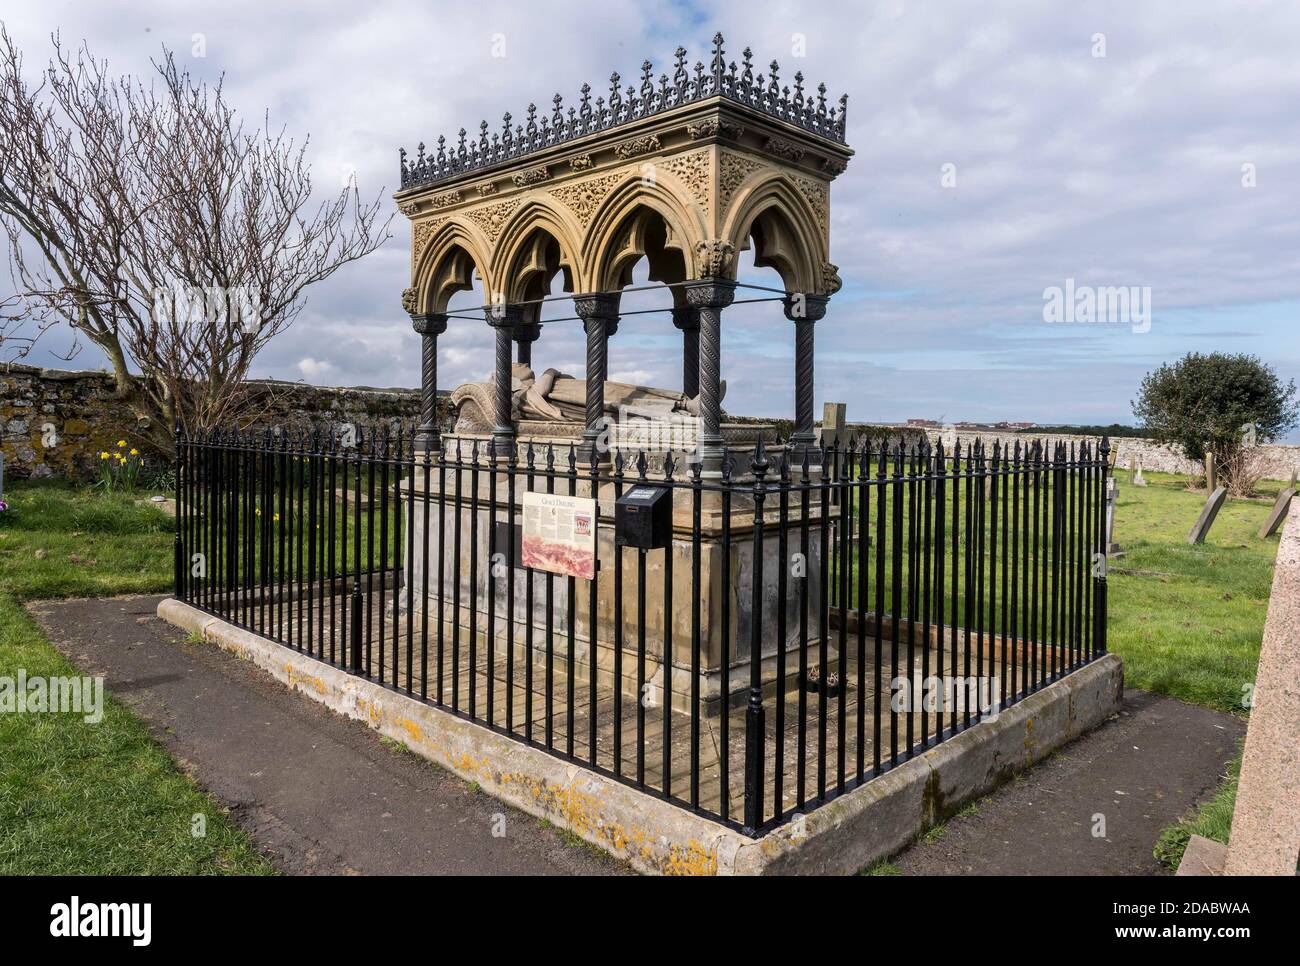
1280	458
55	422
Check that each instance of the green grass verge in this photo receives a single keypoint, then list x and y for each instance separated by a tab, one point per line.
1212	819
1188	620
104	798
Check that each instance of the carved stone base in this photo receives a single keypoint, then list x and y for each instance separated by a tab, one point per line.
725	584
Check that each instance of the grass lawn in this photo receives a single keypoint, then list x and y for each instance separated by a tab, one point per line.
75	797
1188	621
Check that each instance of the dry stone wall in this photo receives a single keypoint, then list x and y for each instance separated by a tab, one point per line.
1279	458
56	422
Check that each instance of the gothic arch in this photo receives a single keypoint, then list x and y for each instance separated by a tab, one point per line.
538	240
447	263
789	235
639	219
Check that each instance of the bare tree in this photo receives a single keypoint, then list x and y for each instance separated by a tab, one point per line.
146	217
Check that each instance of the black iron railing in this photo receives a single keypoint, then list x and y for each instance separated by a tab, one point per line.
900	596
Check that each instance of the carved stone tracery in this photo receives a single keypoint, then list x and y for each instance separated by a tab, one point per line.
584	197
492	218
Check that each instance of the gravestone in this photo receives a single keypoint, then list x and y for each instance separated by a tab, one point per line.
1211	474
1113	549
1138	478
833	414
1208	512
1265	833
1278	513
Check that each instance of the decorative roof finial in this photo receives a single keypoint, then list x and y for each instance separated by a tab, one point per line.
718	80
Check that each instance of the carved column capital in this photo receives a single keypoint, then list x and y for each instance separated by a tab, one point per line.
527	332
432	323
686	317
713	293
603	305
504	316
801	307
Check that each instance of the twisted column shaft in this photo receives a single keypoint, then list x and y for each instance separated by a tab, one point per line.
504	319
429	328
525	335
804	311
710	298
599	314
687	318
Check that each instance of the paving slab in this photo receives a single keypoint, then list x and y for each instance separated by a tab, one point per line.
1142	770
320	793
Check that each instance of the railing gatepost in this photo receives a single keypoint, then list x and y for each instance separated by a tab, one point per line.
754	723
1099	555
178	546
357	660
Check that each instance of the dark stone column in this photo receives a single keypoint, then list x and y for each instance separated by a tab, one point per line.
710	297
611	329
504	319
599	314
525	335
429	327
687	318
804	311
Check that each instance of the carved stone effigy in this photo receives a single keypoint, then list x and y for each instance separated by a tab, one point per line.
557	397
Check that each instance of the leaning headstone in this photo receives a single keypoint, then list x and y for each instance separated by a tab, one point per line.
833	422
1112	500
1138	478
1208	512
1278	513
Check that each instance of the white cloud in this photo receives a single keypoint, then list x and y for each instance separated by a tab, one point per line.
1123	170
314	370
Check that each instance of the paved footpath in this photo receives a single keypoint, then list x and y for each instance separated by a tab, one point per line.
320	793
323	795
1141	771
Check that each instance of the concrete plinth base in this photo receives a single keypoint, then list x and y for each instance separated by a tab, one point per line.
841	836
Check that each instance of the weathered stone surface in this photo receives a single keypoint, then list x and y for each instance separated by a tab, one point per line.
86	418
1208	512
1277	460
1278	513
870	822
1265	837
1202	857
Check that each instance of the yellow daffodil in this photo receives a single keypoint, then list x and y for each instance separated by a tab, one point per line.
135	452
121	443
276	518
103	456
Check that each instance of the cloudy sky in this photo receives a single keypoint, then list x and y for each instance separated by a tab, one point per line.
1001	148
